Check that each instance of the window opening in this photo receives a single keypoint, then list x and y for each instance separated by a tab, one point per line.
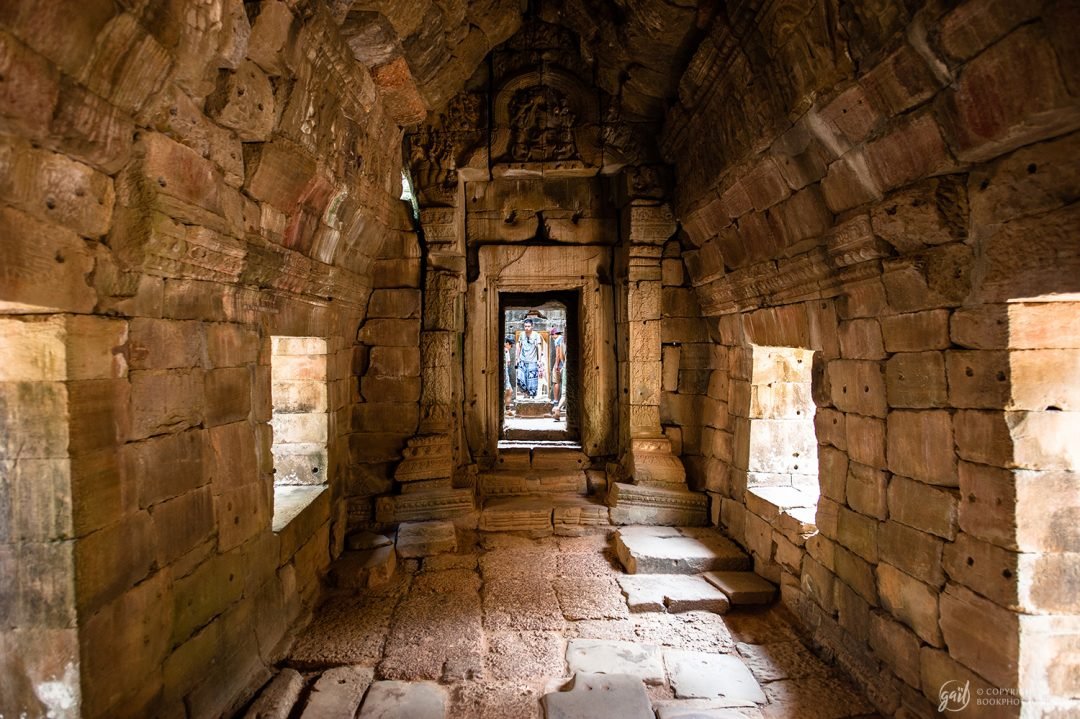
300	416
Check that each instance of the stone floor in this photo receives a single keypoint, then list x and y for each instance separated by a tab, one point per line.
487	632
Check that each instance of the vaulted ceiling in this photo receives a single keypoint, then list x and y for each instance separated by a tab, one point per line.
423	51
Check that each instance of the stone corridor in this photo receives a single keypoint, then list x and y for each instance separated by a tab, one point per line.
268	269
493	627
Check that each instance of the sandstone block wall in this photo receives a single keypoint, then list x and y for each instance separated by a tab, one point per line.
179	182
898	200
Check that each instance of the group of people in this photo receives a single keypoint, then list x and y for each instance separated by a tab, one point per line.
529	359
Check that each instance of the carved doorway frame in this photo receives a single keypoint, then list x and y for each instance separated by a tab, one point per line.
514	269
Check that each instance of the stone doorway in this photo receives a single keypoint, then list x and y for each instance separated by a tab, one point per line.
541	404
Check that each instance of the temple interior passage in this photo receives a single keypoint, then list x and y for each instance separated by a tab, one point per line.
539	359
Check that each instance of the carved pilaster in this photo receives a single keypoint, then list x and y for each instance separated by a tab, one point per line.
656	491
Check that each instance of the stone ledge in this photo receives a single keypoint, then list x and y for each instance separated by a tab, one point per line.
293	500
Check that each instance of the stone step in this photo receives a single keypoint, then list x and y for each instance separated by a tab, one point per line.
742	588
672	593
278	697
364	569
543	514
677	550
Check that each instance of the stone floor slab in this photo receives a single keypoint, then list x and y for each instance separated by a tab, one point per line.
671	593
644	552
742	588
423	539
337	693
600	696
590	598
703	709
525	656
404	700
523	605
712	676
781	660
592	656
814	698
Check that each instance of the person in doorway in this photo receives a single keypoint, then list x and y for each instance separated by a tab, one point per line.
558	373
528	359
508	387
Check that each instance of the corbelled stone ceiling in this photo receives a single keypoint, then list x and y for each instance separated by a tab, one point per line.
636	49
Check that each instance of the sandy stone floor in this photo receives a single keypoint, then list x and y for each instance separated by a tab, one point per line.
492	624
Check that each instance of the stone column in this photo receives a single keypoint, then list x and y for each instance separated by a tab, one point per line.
655	491
427	472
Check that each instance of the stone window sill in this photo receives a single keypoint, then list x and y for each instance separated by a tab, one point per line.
784	505
291	501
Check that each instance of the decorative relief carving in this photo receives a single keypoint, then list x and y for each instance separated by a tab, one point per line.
541	125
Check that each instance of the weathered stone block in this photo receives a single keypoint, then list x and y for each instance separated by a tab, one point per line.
858	386
861	339
910	601
965	617
858	533
991	571
182	523
394	362
242	513
921	446
916	380
112	560
244	102
1018	78
165	401
390	389
896	645
389	332
857	574
923	507
228	395
394	304
913	552
866	490
865	439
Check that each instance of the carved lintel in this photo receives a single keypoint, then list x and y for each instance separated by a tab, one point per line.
646	504
416	506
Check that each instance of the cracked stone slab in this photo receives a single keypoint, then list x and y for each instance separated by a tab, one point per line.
422	539
337	693
672	593
742	588
404	700
697	675
599	696
654	550
597	656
